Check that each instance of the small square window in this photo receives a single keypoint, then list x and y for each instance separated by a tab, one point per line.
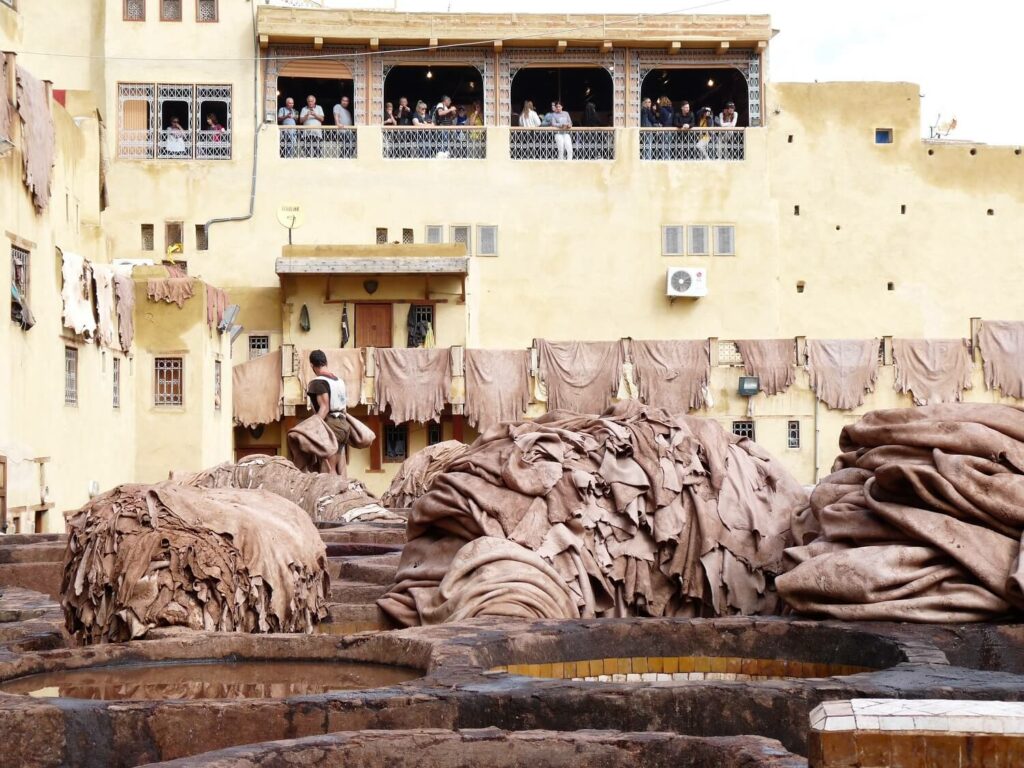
434	433
202	243
258	346
672	240
743	429
147	237
697	242
883	135
407	237
396	442
117	383
70	376
793	434
170	10
168	383
487	237
435	234
134	10
463	235
174	237
382	235
216	384
206	10
725	240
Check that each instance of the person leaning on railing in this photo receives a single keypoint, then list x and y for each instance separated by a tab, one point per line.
529	118
288	115
312	116
562	123
728	117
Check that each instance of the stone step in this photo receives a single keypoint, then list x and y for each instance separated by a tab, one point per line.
356	592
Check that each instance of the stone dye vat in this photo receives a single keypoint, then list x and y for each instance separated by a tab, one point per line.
208	679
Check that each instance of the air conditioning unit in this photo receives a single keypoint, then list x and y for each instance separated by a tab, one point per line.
687	281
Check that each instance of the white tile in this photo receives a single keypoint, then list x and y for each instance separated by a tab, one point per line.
867	722
960	724
931	723
618	678
663	677
895	723
679	676
839	724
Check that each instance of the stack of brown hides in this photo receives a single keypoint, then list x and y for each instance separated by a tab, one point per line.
921	519
167	555
325	498
311	443
419	471
634	512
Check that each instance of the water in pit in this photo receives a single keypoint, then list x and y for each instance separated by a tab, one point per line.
209	680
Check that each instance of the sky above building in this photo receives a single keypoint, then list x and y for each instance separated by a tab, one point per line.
959	54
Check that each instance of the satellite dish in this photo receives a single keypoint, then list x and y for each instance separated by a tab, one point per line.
290	215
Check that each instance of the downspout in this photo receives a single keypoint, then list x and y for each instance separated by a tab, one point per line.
257	127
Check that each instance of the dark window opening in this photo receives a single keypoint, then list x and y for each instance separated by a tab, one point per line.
173	237
743	429
793	436
20	312
573	86
704	87
800	285
883	135
796	210
147	237
396	442
462	83
890	286
327	91
202	242
407	237
434	433
903	209
421	322
382	235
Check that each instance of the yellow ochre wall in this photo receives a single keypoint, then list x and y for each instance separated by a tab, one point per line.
579	243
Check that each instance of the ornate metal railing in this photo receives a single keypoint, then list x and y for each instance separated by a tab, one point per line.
213	145
692	144
319	142
456	142
562	144
135	144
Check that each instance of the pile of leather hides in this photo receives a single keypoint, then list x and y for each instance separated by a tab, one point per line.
168	555
921	519
636	512
419	471
325	498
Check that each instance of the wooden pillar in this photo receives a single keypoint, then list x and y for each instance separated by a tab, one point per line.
459	428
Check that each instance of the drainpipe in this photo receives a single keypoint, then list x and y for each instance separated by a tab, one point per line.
257	127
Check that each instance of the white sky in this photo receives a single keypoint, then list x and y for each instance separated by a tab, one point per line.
961	54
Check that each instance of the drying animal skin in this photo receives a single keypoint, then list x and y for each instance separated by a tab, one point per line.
417	473
636	512
169	555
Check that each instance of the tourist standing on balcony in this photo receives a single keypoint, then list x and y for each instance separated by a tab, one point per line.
389	114
343	113
445	112
404	113
529	118
420	117
590	118
665	112
288	115
176	143
727	118
562	123
420	144
476	116
684	118
312	117
648	119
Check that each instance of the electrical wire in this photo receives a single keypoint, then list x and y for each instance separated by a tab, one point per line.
392	51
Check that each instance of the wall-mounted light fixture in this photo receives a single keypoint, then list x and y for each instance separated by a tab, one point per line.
749	386
370	286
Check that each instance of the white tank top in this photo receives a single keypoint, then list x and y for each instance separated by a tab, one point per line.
339	399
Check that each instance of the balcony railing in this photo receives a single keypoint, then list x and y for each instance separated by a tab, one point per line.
691	144
213	145
562	144
318	141
456	142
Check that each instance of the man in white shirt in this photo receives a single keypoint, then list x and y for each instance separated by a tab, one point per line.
311	116
329	401
343	113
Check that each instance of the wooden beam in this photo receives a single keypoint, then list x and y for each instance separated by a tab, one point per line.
561	46
374	43
318	43
433	42
497	46
675	47
264	41
606	46
723	47
762	45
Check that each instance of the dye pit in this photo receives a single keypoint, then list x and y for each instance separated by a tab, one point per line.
208	679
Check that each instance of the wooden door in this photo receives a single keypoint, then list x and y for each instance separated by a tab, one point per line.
373	325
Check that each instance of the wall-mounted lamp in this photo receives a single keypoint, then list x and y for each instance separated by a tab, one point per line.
370	286
749	386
